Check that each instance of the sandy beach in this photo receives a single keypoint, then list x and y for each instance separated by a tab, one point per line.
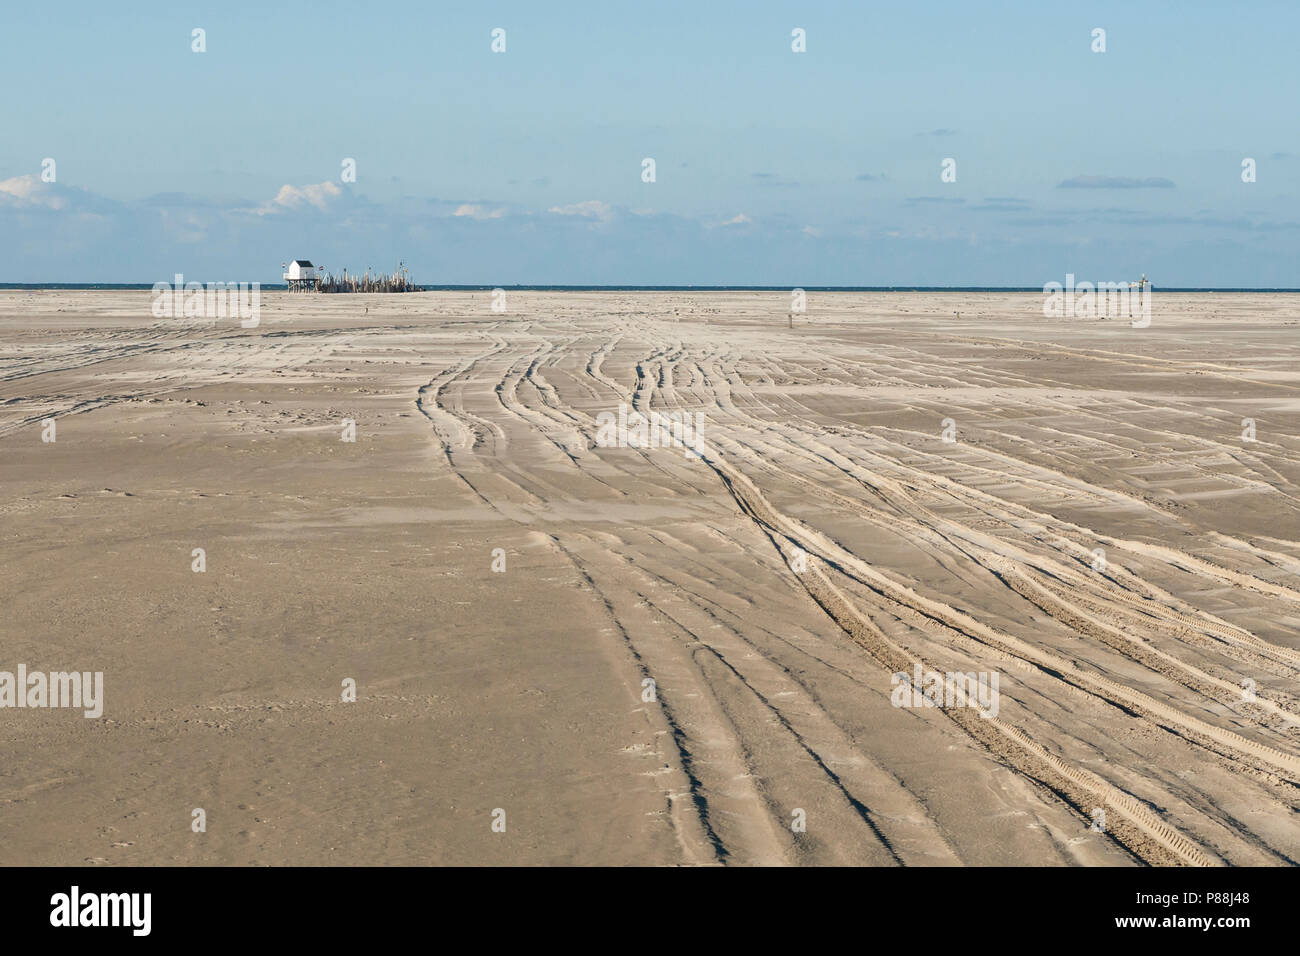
679	655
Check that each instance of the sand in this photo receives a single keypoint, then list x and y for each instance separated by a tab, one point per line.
1097	534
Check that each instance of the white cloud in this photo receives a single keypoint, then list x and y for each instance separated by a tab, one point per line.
30	191
295	197
738	220
475	211
589	209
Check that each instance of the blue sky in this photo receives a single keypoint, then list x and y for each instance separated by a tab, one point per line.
772	167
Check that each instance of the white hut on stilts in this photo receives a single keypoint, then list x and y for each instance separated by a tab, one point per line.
301	276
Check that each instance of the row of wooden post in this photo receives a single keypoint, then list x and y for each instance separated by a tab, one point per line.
399	281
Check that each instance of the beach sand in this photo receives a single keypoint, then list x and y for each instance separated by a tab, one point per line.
686	660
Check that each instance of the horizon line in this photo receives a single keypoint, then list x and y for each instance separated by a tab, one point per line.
538	287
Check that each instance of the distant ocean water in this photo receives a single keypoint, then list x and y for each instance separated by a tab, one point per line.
273	287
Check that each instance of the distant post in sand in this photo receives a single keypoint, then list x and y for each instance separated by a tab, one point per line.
1141	286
